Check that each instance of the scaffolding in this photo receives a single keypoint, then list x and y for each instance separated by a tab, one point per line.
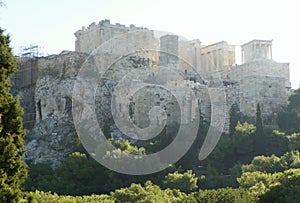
27	67
25	80
30	51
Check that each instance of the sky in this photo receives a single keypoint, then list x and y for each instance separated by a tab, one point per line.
52	24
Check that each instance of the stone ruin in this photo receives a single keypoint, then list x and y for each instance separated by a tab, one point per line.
45	84
258	80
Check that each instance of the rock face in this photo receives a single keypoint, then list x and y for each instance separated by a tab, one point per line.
53	135
45	85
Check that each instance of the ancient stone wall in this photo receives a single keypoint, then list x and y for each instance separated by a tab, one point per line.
169	53
262	81
90	38
262	68
267	91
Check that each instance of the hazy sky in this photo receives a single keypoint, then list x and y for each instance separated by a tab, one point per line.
51	24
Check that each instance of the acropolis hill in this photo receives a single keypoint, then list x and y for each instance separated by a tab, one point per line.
45	84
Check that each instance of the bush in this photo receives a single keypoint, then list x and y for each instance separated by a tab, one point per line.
38	196
224	195
286	190
185	182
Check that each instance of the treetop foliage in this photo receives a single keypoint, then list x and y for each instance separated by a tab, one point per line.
13	170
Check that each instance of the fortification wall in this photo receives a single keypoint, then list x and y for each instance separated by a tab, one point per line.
263	82
169	47
90	38
267	91
262	68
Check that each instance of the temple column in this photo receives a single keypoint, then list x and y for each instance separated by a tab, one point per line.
260	51
243	57
209	61
218	58
252	52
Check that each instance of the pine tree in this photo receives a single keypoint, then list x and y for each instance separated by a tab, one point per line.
259	123
13	170
259	133
234	118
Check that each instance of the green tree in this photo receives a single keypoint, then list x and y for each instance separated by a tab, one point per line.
148	193
259	123
291	159
276	187
185	182
286	190
294	141
257	182
127	147
272	164
221	159
41	177
223	195
274	142
265	164
289	118
259	133
80	175
191	158
13	170
230	150
242	142
234	117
